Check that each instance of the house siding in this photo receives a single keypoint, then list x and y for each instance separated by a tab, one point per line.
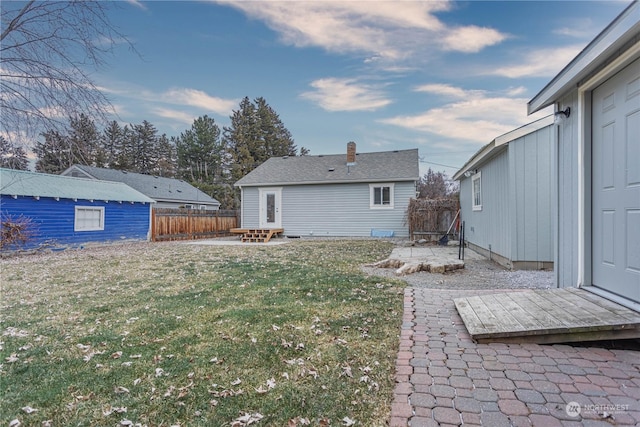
531	177
489	226
333	210
516	222
568	201
54	220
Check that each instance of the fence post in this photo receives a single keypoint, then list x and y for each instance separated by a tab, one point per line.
153	225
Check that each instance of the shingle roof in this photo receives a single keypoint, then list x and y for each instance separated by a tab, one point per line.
24	183
156	187
399	165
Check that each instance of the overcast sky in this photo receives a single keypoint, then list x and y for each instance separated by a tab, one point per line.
444	77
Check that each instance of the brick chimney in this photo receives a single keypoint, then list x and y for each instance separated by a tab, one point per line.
351	152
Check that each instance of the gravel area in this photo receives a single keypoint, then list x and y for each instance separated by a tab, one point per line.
478	273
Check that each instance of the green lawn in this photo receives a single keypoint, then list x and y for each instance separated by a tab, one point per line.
173	334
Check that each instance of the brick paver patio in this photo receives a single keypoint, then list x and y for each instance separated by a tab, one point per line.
443	378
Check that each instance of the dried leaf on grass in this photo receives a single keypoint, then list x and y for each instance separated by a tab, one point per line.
295	422
120	390
346	370
346	421
108	410
247	419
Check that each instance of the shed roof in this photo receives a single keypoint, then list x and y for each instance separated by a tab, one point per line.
156	187
25	183
398	165
494	146
610	43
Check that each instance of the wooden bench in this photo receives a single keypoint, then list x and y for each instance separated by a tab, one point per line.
257	235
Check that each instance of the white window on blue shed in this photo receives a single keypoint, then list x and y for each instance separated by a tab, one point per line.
89	218
476	191
381	196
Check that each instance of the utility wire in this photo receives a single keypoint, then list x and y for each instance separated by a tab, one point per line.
440	164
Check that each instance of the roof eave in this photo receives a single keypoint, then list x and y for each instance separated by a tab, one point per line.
200	202
617	34
475	160
356	181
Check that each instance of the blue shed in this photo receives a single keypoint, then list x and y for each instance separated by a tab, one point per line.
69	212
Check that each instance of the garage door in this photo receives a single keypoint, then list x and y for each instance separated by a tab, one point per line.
616	184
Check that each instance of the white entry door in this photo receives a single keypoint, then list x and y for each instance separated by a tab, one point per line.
270	204
616	184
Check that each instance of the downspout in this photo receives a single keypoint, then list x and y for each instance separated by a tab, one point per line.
581	190
241	206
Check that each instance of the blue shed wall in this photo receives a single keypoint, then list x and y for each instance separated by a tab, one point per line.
54	220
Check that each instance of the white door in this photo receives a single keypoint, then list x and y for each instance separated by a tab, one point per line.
270	204
616	184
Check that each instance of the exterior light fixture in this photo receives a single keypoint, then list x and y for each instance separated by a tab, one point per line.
559	116
470	172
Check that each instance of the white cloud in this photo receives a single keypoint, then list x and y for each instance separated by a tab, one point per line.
516	91
472	39
380	29
446	90
200	99
476	117
539	63
175	115
333	94
138	4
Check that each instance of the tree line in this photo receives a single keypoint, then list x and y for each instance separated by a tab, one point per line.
210	158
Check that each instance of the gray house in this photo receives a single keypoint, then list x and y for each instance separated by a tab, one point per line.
507	197
167	192
597	96
360	194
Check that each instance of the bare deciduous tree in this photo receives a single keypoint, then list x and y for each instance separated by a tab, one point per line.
48	49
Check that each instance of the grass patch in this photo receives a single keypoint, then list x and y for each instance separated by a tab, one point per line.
173	334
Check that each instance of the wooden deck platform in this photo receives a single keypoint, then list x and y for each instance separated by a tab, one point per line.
257	235
546	316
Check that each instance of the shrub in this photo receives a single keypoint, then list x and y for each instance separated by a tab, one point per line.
16	231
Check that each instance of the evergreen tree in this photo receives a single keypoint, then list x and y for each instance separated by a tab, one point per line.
241	138
112	143
125	152
201	152
144	144
166	161
54	154
276	138
256	133
84	141
12	156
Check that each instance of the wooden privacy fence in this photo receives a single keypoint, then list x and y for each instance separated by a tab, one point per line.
190	224
431	218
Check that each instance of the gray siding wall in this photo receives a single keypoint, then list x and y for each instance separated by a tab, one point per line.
250	198
518	200
567	221
332	210
491	225
531	194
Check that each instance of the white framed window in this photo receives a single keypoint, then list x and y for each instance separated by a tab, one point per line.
89	218
476	191
381	196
